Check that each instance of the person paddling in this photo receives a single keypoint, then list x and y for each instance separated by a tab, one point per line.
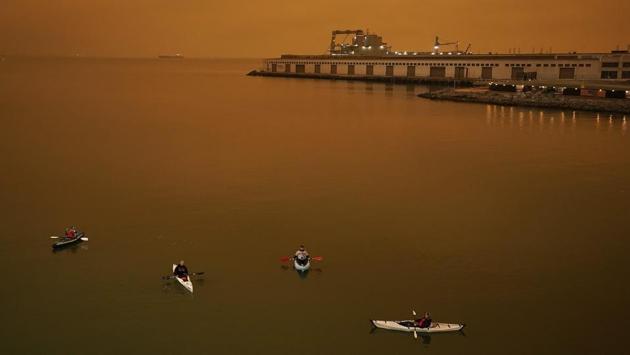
181	271
70	233
301	253
425	321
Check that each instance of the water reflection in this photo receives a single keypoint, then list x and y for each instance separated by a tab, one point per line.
423	338
72	249
556	121
174	287
301	274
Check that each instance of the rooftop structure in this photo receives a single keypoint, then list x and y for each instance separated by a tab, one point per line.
362	43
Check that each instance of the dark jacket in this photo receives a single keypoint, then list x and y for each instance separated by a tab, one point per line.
180	270
424	322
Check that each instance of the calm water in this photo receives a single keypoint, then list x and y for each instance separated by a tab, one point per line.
514	221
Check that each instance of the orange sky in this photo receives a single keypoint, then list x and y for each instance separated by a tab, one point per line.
238	28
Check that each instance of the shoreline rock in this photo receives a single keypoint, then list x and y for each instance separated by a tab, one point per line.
532	99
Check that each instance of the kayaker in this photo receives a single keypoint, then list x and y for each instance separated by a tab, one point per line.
70	233
425	321
301	253
181	270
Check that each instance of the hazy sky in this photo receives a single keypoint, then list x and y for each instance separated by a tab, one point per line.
236	28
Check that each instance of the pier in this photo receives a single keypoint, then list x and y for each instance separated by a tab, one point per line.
368	58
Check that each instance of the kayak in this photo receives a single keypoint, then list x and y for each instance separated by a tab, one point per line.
64	242
302	267
405	326
187	283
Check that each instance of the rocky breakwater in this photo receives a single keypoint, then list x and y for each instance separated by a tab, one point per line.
532	99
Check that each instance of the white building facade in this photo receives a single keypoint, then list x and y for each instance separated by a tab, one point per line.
575	66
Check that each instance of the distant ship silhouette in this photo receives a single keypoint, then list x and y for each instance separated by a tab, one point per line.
171	56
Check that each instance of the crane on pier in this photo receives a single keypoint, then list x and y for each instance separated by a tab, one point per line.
436	46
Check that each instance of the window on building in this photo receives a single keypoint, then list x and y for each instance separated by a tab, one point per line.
389	70
486	73
626	65
553	65
588	65
461	72
437	72
538	65
581	65
625	74
518	73
610	64
567	73
609	74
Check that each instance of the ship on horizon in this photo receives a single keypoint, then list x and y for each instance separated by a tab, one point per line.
171	56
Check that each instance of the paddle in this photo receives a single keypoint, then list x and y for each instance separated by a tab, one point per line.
284	259
85	239
190	274
415	334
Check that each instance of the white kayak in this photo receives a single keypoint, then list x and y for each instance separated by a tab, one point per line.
405	326
302	267
187	283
